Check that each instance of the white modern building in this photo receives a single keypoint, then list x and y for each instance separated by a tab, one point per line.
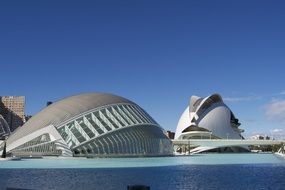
260	137
209	118
93	124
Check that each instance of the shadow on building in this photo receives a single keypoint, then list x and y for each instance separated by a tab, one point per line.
14	121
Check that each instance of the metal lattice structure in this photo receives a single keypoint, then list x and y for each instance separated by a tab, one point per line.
116	127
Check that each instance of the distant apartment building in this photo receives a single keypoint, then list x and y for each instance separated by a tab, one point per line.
260	137
12	108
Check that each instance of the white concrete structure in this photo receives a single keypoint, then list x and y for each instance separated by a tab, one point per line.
201	145
4	128
208	118
93	124
281	151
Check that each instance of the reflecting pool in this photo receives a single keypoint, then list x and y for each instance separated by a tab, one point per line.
204	171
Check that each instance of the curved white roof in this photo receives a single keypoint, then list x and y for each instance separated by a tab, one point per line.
206	102
66	109
217	120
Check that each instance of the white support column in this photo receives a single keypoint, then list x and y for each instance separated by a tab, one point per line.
98	123
115	142
112	117
106	121
119	117
134	114
89	125
143	115
130	115
125	116
113	147
82	132
139	114
71	136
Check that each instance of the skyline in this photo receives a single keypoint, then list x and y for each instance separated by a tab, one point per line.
156	54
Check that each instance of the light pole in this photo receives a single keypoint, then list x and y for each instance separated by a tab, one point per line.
189	145
227	136
272	137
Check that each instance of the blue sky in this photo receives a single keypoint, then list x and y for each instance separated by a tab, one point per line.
156	53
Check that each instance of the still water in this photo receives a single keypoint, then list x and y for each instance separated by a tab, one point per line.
205	171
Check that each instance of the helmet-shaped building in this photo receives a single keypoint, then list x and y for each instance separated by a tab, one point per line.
92	124
206	118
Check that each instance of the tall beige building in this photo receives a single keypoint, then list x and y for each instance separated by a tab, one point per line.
12	108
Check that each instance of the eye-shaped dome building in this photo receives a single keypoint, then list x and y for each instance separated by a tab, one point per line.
207	118
93	124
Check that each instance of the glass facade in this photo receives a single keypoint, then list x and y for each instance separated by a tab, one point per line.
41	145
114	130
